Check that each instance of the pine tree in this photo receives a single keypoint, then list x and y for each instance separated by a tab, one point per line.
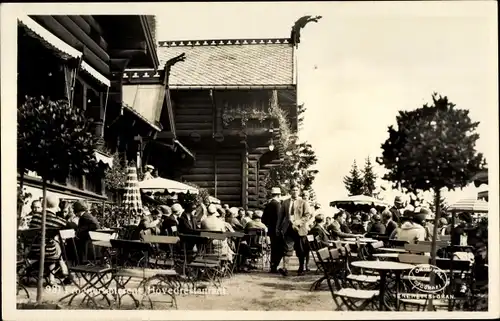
369	178
354	182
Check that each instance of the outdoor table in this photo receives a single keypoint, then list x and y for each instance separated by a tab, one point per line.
363	239
383	267
102	243
387	255
390	249
352	242
108	231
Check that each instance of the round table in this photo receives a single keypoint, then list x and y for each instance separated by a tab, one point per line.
383	267
394	250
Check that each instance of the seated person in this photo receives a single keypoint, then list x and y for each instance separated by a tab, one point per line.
233	219
86	223
376	228
320	233
142	229
357	225
256	222
169	223
247	217
53	250
337	229
70	217
212	223
155	221
255	238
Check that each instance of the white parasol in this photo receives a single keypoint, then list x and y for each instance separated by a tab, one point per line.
160	183
359	200
469	205
132	198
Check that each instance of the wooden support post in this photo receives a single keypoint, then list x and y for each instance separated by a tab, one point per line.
244	188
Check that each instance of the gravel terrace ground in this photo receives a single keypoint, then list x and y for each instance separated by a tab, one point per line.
258	291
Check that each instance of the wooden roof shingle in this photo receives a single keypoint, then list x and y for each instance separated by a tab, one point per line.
254	62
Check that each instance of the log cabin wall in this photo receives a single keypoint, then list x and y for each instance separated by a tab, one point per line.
220	172
193	111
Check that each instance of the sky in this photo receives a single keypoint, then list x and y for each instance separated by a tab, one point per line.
361	64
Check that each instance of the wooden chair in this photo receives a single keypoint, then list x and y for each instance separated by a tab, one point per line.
314	245
163	263
207	263
366	281
259	247
92	280
418	248
446	238
397	243
343	296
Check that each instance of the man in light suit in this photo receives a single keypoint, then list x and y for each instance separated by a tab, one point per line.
293	228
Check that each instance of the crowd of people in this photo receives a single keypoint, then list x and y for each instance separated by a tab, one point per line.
284	222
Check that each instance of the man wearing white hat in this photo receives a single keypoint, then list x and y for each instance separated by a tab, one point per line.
270	219
149	172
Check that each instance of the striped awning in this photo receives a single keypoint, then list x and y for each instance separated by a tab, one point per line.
52	42
62	49
469	205
100	157
132	201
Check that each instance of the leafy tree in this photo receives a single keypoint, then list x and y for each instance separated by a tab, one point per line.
354	182
54	140
369	178
116	176
298	160
432	148
296	168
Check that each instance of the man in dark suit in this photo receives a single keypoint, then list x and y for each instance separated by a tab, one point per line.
270	219
390	225
187	224
293	228
319	231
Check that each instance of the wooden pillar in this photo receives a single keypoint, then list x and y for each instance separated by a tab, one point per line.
253	188
244	189
262	187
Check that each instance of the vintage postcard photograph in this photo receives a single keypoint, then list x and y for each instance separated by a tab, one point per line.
250	160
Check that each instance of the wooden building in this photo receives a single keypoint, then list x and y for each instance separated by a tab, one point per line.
82	59
218	95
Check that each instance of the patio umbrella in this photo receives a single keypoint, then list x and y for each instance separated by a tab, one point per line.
359	200
160	183
132	201
469	205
